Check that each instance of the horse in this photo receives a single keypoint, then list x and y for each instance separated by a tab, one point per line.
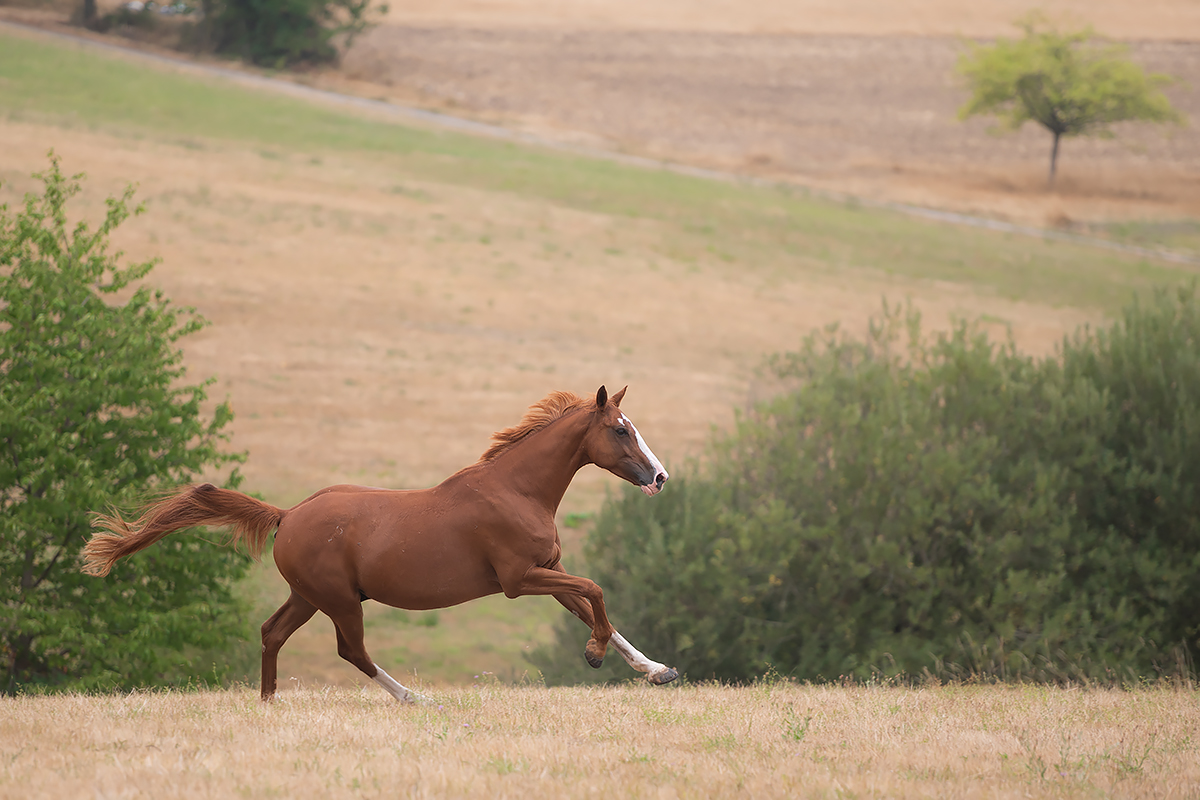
488	528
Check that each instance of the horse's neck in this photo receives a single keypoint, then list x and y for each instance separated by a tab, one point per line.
544	464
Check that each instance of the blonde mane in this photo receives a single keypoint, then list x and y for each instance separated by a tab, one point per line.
555	405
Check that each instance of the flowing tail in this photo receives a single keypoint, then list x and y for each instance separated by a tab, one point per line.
252	522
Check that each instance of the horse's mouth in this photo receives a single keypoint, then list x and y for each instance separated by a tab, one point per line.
655	486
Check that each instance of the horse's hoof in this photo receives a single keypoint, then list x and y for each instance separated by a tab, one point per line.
594	661
665	676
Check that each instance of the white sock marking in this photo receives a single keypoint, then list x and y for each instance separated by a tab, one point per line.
634	657
395	688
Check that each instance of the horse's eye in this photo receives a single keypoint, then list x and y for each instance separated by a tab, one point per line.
622	432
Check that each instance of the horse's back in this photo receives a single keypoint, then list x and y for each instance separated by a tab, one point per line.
341	488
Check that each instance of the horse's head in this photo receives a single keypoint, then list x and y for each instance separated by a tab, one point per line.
614	444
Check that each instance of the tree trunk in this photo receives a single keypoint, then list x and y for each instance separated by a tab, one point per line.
88	14
1053	159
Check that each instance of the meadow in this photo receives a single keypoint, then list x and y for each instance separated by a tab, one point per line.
771	739
383	297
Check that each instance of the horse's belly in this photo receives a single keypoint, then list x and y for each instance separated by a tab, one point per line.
422	598
422	574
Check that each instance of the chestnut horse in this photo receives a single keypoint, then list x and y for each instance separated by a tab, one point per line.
486	529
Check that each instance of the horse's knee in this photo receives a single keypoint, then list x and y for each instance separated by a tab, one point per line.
270	641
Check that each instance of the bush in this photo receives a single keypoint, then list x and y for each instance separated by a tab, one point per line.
93	411
283	33
945	505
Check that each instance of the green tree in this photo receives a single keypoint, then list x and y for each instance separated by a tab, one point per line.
1062	81
270	33
94	411
281	33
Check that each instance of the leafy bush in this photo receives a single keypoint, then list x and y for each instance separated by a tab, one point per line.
281	33
945	505
93	411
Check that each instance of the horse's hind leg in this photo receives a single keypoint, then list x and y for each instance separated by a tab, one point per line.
351	647
294	612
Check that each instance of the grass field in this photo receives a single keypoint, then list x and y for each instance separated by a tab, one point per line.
488	740
382	297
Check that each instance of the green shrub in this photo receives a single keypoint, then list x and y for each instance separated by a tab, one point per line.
945	505
282	33
94	410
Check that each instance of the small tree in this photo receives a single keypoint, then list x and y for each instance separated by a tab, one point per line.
92	413
1063	82
270	33
281	33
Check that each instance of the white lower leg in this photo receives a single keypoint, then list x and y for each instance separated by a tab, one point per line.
394	687
634	657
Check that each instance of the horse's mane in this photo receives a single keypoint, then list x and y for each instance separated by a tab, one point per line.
555	405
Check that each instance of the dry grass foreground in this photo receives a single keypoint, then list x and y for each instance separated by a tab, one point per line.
768	740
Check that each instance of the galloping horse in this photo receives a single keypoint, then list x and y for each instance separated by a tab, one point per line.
488	528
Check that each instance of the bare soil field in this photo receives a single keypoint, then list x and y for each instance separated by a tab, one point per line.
873	116
1167	20
488	741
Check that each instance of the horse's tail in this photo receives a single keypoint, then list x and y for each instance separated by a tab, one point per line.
252	521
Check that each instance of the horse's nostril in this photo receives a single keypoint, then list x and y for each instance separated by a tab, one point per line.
660	479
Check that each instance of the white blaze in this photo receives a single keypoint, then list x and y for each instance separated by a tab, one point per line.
655	464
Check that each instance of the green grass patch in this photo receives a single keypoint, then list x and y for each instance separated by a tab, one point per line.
1180	235
718	225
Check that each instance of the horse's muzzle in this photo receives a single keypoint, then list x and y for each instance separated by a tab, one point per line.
651	489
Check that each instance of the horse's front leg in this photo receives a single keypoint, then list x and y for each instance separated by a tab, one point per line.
656	673
586	602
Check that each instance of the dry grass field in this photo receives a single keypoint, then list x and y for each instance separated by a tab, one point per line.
768	740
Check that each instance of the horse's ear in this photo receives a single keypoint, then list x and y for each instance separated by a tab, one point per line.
601	397
616	398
